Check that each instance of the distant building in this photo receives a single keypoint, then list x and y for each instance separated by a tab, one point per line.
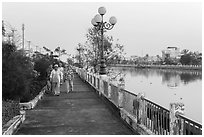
153	59
171	52
133	57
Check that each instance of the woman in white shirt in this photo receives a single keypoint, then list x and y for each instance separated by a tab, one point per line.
62	70
55	78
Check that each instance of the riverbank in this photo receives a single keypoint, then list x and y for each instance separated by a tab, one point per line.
182	67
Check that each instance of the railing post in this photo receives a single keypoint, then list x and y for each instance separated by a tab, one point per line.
121	86
23	113
109	87
87	78
96	81
90	78
93	79
139	108
85	75
101	78
81	74
175	109
106	89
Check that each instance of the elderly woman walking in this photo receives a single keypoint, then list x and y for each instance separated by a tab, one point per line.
48	72
68	78
60	68
56	78
71	80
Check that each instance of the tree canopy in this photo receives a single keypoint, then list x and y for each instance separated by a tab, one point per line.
91	49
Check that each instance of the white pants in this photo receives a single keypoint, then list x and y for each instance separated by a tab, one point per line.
56	88
67	85
71	84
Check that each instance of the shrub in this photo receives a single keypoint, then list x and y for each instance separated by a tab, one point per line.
18	75
9	110
17	71
34	89
19	79
20	82
41	66
11	76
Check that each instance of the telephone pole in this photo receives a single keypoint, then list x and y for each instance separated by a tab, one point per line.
3	30
23	29
13	36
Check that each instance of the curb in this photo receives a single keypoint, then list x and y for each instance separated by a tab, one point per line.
11	126
31	104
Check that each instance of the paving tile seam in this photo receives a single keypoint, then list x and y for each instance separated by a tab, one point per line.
85	124
70	104
71	122
65	99
71	94
88	98
93	97
69	109
81	91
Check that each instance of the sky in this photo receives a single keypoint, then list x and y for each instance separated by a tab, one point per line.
143	28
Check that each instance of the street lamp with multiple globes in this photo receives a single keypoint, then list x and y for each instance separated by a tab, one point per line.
80	49
100	26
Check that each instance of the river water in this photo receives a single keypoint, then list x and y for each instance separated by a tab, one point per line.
165	86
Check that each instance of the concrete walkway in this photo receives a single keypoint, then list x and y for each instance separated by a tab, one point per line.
80	112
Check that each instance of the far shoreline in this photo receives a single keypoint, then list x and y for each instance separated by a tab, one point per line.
181	67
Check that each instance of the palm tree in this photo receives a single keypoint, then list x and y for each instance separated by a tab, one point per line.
48	50
60	51
185	51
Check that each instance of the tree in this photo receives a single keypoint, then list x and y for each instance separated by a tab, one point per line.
17	70
19	79
113	51
47	49
41	66
3	29
191	58
185	51
92	46
60	51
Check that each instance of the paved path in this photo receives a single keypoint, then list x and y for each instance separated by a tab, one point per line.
80	112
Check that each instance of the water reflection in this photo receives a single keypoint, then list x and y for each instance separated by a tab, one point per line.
170	77
165	86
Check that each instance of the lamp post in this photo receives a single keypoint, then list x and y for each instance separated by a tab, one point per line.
100	26
79	49
85	59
